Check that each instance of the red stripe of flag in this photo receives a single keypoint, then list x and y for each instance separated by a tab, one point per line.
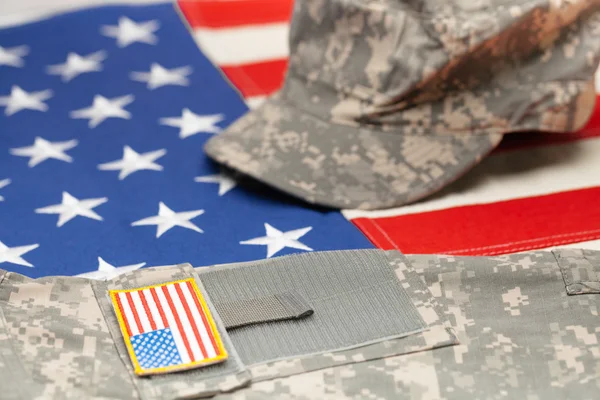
178	322
190	317
257	79
204	319
219	14
490	229
147	309
161	312
593	125
136	317
122	312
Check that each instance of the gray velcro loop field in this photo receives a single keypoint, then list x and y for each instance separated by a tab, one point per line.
356	297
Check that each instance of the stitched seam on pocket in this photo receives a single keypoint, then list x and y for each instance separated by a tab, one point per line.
95	288
572	286
22	375
381	347
596	276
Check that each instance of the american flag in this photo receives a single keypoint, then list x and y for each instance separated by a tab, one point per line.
103	116
536	191
167	327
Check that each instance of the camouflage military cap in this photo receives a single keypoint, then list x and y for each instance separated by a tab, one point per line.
386	102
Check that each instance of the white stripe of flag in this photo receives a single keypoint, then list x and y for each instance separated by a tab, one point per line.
244	45
153	309
172	324
212	352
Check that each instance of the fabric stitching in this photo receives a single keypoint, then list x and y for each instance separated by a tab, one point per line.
365	288
442	321
142	387
392	280
11	343
506	247
563	271
584	255
591	234
364	228
582	283
558	257
95	286
384	233
221	354
574	287
587	284
523	248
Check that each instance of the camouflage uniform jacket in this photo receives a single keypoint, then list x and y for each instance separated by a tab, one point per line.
385	326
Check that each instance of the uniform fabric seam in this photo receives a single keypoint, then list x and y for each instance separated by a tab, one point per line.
566	239
94	287
385	235
566	276
11	341
381	231
558	257
585	257
503	248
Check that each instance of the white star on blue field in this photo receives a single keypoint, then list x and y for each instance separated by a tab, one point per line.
102	171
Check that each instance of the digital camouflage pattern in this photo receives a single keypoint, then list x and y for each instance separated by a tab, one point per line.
63	332
61	336
522	336
516	326
387	101
54	339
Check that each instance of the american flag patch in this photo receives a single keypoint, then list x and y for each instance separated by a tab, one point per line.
167	327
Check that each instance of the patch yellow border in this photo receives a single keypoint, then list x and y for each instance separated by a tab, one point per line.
221	353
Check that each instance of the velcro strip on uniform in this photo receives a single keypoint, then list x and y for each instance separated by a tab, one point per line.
167	327
278	307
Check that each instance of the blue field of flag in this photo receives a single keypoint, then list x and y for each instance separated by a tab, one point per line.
103	115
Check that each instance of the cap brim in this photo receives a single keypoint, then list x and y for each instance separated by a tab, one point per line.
344	166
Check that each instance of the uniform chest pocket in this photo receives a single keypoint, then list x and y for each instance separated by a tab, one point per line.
363	305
